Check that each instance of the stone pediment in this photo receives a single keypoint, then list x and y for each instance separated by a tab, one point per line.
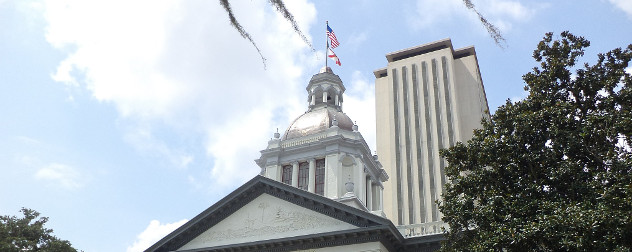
265	218
268	214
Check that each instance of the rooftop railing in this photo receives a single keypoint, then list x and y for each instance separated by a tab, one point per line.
428	228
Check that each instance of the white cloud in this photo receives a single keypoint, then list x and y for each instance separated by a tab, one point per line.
28	141
501	13
144	140
226	144
624	5
115	58
181	64
511	9
356	39
504	14
429	12
360	98
64	175
153	233
520	97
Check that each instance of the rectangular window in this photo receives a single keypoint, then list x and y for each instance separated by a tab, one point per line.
303	175
320	177
287	174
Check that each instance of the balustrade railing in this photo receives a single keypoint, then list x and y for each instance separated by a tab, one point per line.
428	228
303	140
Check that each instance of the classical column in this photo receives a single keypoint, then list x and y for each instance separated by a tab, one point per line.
375	191
369	194
313	101
311	182
337	101
361	185
295	174
380	195
325	97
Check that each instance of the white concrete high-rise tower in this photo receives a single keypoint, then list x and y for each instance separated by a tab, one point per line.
322	151
427	98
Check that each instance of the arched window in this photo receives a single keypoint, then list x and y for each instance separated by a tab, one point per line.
331	96
317	95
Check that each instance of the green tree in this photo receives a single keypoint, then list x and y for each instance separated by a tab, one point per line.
29	234
552	172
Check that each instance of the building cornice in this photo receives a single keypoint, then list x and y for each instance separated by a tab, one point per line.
369	225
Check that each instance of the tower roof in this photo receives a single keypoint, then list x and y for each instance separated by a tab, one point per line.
325	91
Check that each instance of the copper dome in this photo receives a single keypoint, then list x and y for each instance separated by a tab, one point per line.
317	120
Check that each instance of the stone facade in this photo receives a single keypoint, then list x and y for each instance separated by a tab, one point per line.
427	98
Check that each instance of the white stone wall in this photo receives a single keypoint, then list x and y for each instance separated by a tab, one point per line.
427	101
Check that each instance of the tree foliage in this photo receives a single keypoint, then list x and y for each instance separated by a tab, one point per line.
29	234
552	172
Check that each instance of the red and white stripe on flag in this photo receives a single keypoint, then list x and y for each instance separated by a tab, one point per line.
333	56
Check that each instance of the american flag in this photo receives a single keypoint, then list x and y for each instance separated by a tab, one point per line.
332	37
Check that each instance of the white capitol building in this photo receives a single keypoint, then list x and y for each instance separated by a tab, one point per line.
322	189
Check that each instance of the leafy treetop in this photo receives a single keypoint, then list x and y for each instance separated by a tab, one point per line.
552	172
29	234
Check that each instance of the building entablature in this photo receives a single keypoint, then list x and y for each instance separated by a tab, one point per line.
332	141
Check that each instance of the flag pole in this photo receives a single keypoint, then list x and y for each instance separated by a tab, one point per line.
326	41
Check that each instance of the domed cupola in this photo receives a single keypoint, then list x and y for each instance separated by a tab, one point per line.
318	120
322	151
325	89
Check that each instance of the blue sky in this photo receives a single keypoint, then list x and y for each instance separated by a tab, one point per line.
119	120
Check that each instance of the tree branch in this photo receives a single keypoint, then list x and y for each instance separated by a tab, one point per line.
280	7
491	29
240	29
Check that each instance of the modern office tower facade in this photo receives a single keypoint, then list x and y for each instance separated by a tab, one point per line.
427	98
